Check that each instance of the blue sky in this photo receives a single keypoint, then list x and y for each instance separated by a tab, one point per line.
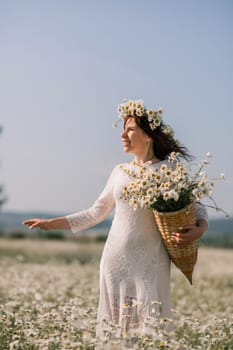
66	65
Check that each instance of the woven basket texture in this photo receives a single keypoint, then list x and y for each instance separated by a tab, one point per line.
168	223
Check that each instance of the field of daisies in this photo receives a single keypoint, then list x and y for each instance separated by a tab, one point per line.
49	296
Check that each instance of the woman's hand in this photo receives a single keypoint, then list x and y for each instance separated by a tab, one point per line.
60	223
38	223
190	233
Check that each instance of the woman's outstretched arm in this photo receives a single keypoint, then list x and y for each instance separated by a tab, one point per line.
59	223
81	220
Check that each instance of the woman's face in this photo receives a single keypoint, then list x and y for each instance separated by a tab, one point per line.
133	138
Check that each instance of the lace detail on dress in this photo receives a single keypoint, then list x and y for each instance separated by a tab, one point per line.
90	217
97	213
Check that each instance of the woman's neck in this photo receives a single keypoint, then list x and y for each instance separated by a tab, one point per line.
142	158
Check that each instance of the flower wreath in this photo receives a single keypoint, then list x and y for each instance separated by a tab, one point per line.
137	108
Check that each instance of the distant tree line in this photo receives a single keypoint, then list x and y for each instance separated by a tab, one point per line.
2	195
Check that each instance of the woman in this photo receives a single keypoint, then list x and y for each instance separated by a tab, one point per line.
135	266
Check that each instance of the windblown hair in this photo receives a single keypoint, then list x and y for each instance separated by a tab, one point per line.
163	144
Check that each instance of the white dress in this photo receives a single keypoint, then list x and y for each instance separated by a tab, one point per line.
135	266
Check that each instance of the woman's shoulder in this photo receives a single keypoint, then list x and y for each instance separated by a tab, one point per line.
121	168
118	167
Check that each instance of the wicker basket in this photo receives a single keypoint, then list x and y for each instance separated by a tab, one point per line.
183	257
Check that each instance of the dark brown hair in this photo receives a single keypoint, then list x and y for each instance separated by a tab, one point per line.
163	144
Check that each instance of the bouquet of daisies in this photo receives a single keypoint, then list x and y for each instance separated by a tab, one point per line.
171	190
170	187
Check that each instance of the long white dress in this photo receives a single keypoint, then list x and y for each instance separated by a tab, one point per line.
135	266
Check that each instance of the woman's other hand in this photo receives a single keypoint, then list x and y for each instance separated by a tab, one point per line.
190	233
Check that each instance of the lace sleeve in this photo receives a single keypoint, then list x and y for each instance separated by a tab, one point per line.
201	212
101	208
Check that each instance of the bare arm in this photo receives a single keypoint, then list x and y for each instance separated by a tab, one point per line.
59	223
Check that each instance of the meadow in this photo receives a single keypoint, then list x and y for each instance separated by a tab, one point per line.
49	296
